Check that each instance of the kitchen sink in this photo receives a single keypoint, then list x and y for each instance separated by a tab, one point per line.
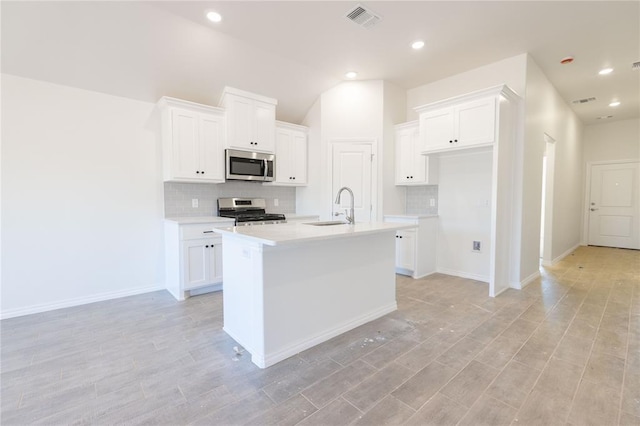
328	223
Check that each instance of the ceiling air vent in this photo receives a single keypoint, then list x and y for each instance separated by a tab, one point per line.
362	16
635	66
583	101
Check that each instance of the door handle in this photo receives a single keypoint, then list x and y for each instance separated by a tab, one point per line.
593	210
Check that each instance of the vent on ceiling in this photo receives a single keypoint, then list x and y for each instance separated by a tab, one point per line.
583	101
362	16
635	66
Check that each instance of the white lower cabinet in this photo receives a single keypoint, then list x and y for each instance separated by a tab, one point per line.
193	256
416	248
202	262
406	250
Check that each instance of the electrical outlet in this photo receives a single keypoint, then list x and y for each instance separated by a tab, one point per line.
194	203
275	202
432	202
476	246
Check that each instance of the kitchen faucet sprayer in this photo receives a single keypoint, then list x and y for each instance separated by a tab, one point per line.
351	219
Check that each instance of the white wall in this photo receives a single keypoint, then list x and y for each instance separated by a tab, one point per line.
546	112
395	102
82	197
618	140
464	210
351	110
510	71
309	199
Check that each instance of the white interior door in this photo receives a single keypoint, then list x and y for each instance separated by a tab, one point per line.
352	168
614	206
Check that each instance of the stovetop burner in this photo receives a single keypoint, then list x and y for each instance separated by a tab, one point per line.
247	211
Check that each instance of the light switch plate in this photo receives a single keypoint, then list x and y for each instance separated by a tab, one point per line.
194	203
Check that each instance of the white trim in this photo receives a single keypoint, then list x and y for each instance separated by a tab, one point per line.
522	284
587	194
11	313
562	256
483	278
272	358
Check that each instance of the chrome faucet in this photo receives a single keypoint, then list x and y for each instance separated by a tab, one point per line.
351	218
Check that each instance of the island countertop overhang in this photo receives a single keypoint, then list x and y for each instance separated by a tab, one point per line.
296	233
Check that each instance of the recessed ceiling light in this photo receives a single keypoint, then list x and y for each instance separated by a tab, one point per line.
604	117
614	104
605	71
351	75
214	17
417	45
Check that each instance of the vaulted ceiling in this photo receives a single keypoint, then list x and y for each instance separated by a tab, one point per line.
295	50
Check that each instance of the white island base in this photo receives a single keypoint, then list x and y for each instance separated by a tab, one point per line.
282	297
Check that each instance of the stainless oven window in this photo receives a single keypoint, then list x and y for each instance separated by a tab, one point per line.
246	166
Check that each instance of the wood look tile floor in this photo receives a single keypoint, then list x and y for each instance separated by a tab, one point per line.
563	351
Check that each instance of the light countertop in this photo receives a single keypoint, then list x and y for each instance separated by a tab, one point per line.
293	233
200	219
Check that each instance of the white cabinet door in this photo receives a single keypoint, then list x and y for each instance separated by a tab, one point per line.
214	256
195	263
211	147
239	122
411	165
437	129
476	122
284	170
186	146
264	126
406	250
299	157
291	157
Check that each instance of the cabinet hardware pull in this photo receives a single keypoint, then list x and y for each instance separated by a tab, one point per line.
207	232
455	140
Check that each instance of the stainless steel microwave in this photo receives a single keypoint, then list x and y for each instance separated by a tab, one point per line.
246	165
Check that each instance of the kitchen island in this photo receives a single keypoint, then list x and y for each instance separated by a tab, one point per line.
289	287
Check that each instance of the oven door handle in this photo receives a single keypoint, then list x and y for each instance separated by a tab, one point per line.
266	170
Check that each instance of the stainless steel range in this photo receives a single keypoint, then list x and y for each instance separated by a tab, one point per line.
248	211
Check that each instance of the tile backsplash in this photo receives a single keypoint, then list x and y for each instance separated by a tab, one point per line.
418	199
178	196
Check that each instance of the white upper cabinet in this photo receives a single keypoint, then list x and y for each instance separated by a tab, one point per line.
251	120
413	168
192	136
291	155
464	122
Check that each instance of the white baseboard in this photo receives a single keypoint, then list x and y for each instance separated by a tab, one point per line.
45	307
266	360
460	274
562	256
522	284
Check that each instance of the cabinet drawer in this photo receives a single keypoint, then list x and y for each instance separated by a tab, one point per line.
197	231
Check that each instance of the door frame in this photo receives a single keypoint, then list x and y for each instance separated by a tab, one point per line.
373	142
547	215
587	193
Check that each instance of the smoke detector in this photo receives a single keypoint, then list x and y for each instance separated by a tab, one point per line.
363	16
583	101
